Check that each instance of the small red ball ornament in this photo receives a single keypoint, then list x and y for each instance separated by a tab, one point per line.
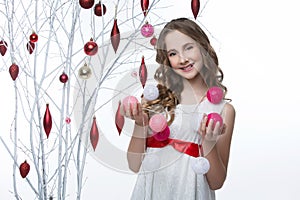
215	95
14	71
153	41
100	9
91	48
147	30
63	77
216	117
33	37
86	4
24	169
3	47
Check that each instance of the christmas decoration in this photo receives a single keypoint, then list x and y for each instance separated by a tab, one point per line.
47	121
33	37
63	77
144	6
195	7
24	169
151	92
85	72
128	101
68	120
158	123
119	119
14	71
86	4
3	47
115	36
153	41
99	9
147	30
143	72
200	165
215	95
216	117
30	47
94	134
162	135
91	48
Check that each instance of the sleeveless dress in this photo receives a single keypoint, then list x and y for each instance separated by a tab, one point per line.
165	173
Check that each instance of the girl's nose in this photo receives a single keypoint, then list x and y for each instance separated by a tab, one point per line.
183	59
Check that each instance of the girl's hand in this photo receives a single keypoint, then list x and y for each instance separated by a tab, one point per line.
135	112
210	133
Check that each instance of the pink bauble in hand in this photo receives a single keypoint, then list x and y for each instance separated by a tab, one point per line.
163	135
158	123
216	117
128	101
215	95
147	30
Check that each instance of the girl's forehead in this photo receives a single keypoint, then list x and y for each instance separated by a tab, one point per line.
176	40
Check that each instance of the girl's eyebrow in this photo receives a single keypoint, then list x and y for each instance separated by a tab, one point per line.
184	46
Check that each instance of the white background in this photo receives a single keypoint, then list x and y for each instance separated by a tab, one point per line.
258	46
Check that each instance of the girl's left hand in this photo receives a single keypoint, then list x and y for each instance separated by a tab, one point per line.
209	132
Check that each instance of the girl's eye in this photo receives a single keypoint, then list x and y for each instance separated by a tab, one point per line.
189	47
172	54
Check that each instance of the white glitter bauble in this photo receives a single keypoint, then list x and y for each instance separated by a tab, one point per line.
200	165
151	92
151	162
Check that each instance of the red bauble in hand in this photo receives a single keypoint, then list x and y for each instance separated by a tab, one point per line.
216	117
3	47
14	71
100	9
33	37
24	169
86	4
63	77
94	134
91	48
195	7
30	47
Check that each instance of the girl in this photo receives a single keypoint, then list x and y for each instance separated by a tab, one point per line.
188	68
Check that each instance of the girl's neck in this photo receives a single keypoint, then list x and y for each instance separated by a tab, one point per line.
193	90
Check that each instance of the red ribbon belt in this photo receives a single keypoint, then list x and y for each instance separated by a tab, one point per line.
188	148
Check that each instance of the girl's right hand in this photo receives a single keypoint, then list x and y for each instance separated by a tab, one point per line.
135	112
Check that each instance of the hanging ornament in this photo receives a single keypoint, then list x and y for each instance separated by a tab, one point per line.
147	30
143	72
86	4
153	41
216	117
215	95
195	7
68	120
30	47
14	71
162	135
151	92
119	119
3	47
85	72
115	34
200	165
63	77
24	169
144	6
158	123
100	9
91	48
47	121
94	134
33	37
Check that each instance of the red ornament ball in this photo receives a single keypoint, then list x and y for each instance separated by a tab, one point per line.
91	48
33	37
68	120
215	95
216	117
63	78
86	4
128	101
99	10
24	169
158	123
163	135
153	41
147	30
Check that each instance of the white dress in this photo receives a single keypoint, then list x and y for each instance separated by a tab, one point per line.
165	173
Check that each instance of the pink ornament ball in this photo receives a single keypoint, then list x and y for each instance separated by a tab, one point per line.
128	101
158	123
163	135
147	30
215	95
216	117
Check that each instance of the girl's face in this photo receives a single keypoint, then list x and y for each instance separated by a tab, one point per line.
184	54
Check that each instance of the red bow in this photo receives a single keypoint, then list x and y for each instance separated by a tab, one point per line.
188	148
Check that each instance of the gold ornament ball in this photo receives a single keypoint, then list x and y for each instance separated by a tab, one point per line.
85	72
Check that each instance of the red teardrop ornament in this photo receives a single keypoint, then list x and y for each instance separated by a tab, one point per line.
143	72
33	37
3	47
91	48
14	71
195	7
115	36
144	6
30	47
119	119
99	10
47	121
86	4
94	134
63	77
24	169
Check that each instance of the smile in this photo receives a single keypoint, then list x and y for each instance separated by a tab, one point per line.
187	68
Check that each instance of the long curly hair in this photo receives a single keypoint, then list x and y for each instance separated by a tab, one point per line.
170	81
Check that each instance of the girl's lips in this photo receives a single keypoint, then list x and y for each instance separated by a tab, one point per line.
187	68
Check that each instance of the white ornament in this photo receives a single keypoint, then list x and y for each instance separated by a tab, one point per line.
151	92
151	162
200	165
